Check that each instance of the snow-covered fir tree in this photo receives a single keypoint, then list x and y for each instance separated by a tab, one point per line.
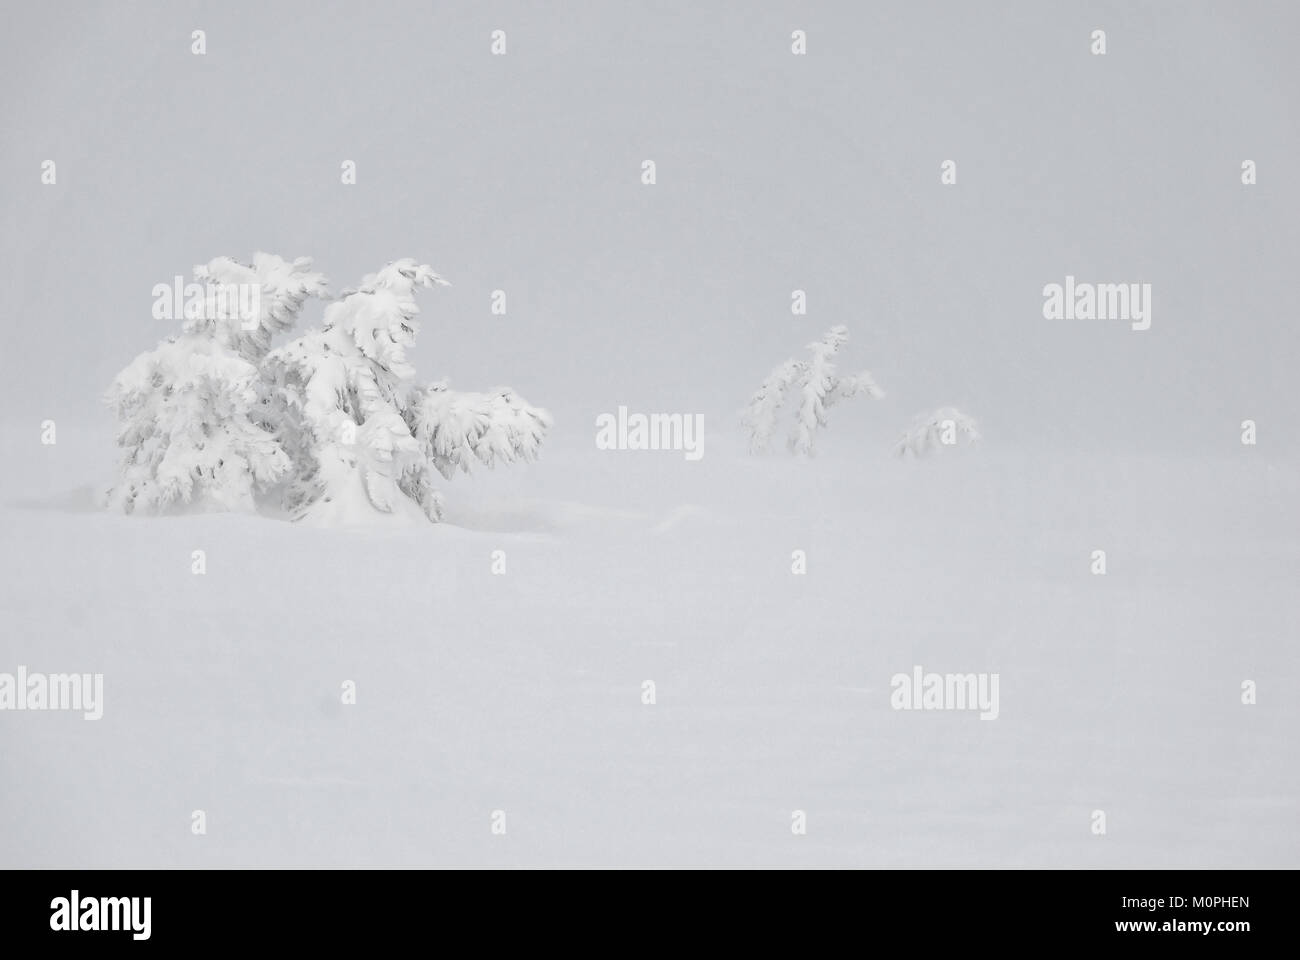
330	425
817	386
930	432
189	411
362	436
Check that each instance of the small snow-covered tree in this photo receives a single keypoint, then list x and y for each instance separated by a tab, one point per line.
361	434
929	432
189	411
818	388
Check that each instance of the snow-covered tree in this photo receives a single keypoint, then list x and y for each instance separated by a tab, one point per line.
330	425
929	432
189	411
818	388
363	437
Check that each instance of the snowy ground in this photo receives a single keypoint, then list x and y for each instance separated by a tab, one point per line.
522	692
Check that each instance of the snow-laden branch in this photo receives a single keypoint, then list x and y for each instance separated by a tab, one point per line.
457	429
759	418
282	288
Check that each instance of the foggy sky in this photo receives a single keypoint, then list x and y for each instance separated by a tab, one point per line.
775	172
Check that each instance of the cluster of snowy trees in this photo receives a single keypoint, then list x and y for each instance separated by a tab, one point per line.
814	387
331	426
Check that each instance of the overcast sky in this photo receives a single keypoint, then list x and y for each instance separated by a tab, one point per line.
774	172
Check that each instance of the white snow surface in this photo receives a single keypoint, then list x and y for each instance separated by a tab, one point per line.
522	692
